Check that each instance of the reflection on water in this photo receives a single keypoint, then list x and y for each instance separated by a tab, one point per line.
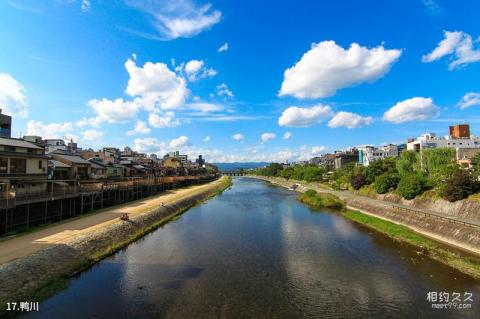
255	252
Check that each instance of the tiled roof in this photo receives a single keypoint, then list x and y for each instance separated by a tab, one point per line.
72	158
18	143
58	163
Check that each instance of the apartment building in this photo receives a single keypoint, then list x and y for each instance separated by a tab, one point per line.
5	125
459	137
369	153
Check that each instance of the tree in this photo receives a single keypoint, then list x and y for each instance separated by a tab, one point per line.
312	174
411	185
358	180
476	163
439	164
459	186
385	182
287	173
380	166
408	162
373	170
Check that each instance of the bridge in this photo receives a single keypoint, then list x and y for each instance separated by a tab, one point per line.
234	173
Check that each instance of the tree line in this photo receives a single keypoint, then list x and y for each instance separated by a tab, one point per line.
409	175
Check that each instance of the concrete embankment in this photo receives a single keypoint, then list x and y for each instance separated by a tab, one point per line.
452	231
22	278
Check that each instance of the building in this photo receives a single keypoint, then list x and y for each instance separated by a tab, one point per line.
116	170
23	166
459	137
34	139
182	158
98	168
53	145
105	155
81	168
346	157
464	156
460	131
200	161
172	162
58	170
5	125
369	153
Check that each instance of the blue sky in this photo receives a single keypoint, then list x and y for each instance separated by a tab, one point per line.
332	74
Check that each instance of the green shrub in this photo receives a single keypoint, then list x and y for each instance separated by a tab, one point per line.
321	200
459	186
411	185
385	182
310	193
358	180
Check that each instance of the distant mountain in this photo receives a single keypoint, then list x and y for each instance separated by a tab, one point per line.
238	165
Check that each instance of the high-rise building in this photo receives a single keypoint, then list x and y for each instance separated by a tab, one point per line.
460	131
5	125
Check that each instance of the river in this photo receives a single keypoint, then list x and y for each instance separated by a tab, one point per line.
256	252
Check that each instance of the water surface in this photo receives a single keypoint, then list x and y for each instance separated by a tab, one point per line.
256	252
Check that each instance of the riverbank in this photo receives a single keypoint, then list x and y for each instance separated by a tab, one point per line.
38	264
390	223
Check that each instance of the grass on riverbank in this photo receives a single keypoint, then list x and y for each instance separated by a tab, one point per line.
321	200
437	251
58	284
427	246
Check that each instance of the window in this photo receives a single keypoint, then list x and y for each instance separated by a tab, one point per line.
10	148
3	165
18	165
40	164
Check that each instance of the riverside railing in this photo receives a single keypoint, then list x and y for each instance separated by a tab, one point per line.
64	188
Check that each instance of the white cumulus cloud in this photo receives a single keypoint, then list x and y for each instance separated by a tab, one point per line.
303	117
140	128
287	135
51	130
196	70
92	135
267	137
156	84
166	119
206	138
112	111
180	142
327	67
469	99
414	109
349	120
149	145
12	96
238	137
317	150
177	18
457	44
